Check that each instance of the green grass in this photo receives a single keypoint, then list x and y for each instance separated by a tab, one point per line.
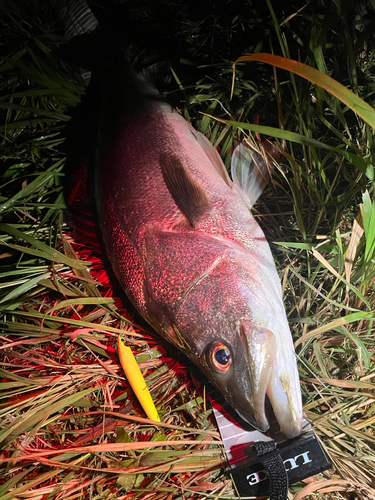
70	427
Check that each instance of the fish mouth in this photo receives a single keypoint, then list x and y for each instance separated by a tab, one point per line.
257	419
285	397
260	347
273	373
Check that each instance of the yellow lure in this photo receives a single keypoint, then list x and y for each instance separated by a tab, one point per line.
136	380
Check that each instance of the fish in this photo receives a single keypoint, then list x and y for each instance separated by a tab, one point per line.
186	249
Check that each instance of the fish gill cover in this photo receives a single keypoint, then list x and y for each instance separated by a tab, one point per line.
71	425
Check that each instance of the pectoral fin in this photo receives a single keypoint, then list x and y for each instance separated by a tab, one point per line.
188	195
249	173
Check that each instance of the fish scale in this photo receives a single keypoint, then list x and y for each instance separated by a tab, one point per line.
170	274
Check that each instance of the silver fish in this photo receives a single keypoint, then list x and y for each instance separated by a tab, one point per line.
187	250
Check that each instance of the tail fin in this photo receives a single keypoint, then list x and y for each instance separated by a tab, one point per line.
77	19
75	16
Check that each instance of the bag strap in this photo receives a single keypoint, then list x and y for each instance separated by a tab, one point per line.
270	458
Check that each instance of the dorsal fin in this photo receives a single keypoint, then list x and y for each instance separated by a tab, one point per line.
249	173
188	195
213	156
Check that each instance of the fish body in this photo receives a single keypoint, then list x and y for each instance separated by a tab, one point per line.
188	252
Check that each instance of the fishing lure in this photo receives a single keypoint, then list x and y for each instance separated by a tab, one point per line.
136	380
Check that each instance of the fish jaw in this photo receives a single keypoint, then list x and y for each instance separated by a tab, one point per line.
285	395
261	349
273	373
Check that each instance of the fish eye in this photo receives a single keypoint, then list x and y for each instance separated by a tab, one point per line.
219	356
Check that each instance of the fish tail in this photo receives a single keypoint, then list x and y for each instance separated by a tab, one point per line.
93	37
76	19
75	16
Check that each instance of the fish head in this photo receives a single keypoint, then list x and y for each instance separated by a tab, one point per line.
242	368
242	342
